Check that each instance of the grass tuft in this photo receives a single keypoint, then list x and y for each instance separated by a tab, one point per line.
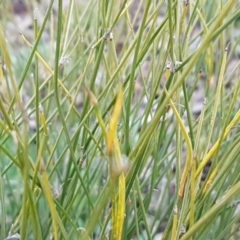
119	120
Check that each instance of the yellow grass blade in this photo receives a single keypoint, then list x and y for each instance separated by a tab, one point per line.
113	123
116	170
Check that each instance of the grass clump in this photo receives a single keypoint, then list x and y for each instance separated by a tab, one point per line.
119	120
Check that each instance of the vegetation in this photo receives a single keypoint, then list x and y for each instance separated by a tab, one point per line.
122	122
